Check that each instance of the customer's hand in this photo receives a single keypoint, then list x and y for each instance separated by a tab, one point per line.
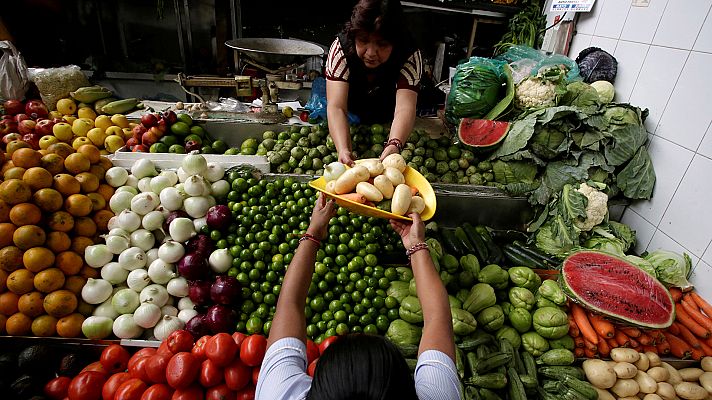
323	211
410	232
345	157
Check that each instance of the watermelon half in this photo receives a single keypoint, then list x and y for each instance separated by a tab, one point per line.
482	134
617	288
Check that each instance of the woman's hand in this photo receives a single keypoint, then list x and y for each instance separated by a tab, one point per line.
388	150
345	157
323	211
411	233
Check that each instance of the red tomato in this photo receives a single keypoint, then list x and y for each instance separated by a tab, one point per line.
312	368
179	341
221	392
312	351
304	116
211	374
247	393
221	348
96	366
138	369
253	349
255	375
115	358
163	349
182	370
237	375
57	388
132	389
159	391
238	337
145	352
199	347
194	392
86	386
326	343
112	384
156	367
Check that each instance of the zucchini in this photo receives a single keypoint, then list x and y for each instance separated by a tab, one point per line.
476	240
460	362
584	389
515	258
471	359
471	393
451	243
529	382
519	364
495	360
559	372
535	253
487	394
529	364
495	253
492	380
507	235
544	395
483	351
462	237
470	344
516	388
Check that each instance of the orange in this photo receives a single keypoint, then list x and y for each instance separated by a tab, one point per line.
49	280
60	303
61	149
89	272
48	199
8	303
101	219
53	163
58	242
3	321
15	191
60	221
88	182
70	326
80	243
18	324
3	281
106	191
10	258
21	281
14	173
69	262
25	214
29	236
44	326
90	152
84	226
74	284
6	231
78	205
30	304
76	163
66	184
37	259
37	178
26	158
6	166
97	201
5	211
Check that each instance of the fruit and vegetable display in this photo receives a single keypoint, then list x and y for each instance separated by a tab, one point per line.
169	132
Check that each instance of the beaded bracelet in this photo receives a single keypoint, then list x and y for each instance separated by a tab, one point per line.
416	247
396	142
310	237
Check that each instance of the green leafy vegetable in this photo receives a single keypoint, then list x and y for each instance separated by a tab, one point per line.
672	268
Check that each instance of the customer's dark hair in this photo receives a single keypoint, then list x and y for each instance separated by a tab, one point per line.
363	367
384	17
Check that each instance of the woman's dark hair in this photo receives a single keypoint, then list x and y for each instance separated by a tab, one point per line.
384	17
363	367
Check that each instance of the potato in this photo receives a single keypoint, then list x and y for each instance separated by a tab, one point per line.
417	205
330	186
666	391
706	364
599	373
646	383
675	376
625	370
690	391
346	183
660	374
401	199
395	176
369	191
604	394
384	185
396	161
706	381
691	374
629	398
653	358
652	396
624	355
625	387
375	167
643	362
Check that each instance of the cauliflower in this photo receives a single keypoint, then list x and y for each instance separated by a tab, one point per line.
535	93
596	209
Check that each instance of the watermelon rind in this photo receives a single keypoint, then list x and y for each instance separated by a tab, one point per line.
634	288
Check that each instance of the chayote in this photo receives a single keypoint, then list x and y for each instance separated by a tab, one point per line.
509	333
550	290
480	297
449	263
454	301
446	277
522	297
507	307
463	323
542	302
412	289
398	289
462	295
466	279
410	310
534	344
520	319
436	249
491	318
494	275
470	263
404	274
550	322
524	277
402	333
564	342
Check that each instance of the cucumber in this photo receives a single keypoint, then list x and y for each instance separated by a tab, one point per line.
469	344
487	394
495	253
558	372
580	387
460	235
560	357
535	253
495	360
451	243
493	380
476	240
515	258
516	388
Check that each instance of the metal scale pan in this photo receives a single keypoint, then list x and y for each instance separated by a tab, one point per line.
272	53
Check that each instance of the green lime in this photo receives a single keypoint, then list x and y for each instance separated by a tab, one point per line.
197	130
180	128
249	143
232	151
158	148
377	129
219	147
185	118
169	140
194	138
254	325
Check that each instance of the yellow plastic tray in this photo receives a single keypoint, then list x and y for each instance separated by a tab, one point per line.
412	178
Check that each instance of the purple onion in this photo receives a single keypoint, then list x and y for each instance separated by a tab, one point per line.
197	326
199	292
200	244
220	319
219	217
173	215
192	145
193	266
225	290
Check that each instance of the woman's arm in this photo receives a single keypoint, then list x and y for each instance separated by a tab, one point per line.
289	319
337	96
403	119
437	320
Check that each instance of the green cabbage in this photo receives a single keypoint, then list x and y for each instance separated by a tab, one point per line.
672	269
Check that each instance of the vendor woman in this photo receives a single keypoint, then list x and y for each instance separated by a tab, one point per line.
373	71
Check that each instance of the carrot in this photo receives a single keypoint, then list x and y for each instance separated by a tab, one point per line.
634	343
579	342
674	329
631	331
603	349
701	303
355	197
573	328
602	327
678	347
589	345
583	324
707	349
622	339
676	294
612	343
697	354
589	353
645	339
413	190
684	316
687	336
691	308
663	347
652	349
579	352
657	335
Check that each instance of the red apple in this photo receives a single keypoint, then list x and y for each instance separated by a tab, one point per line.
33	140
149	138
156	131
26	126
44	127
138	130
149	120
162	125
10	137
170	117
58	120
21	117
36	109
7	126
140	148
131	142
13	107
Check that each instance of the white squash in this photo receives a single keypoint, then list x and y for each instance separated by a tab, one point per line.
369	191
347	182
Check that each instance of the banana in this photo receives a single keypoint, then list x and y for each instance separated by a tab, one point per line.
101	103
119	106
90	94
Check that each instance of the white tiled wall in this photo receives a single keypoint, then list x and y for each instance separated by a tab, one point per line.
664	54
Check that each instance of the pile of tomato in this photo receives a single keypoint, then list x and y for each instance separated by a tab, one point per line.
214	367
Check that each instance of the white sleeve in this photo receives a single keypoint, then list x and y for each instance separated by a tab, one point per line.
436	377
283	372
